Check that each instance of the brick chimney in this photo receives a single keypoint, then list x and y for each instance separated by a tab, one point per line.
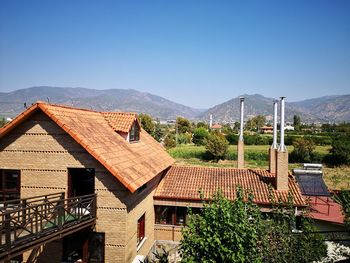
240	145
282	157
274	146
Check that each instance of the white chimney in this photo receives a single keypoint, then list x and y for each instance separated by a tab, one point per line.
274	142
240	145
211	121
274	146
282	157
241	99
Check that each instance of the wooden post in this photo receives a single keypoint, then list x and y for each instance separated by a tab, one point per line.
8	230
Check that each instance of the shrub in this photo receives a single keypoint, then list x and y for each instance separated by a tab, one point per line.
169	141
340	151
217	146
303	150
184	138
199	136
232	138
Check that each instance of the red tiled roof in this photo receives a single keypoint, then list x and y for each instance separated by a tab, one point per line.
216	126
184	183
120	121
133	164
324	208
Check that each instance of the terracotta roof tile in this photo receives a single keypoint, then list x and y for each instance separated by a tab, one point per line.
184	183
120	121
96	132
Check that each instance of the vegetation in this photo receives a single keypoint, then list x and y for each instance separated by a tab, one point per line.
343	198
236	231
183	125
255	123
340	151
296	122
200	135
147	123
2	121
169	141
217	146
303	150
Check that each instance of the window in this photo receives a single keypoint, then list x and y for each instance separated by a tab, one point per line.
9	185
134	135
172	215
140	229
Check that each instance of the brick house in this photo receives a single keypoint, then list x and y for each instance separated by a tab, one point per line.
51	148
141	195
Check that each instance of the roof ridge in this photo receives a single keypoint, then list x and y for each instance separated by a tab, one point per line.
64	106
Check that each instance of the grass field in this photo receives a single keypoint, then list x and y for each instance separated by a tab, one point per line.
256	156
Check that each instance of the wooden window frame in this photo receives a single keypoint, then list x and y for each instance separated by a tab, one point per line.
134	134
141	229
16	190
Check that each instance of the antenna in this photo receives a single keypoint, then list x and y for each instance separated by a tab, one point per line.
48	100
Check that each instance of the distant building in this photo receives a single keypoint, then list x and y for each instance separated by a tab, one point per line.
266	129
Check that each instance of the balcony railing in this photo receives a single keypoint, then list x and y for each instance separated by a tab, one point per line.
31	222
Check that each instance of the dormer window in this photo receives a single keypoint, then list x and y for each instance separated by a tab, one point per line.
134	135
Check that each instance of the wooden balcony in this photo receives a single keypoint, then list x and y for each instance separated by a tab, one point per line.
31	222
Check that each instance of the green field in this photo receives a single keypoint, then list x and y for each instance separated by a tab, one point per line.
256	156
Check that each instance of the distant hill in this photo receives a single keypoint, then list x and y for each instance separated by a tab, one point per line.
11	103
324	109
328	108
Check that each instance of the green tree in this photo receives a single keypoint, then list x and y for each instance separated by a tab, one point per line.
217	146
343	198
340	151
284	241
158	132
296	122
147	123
224	231
237	231
202	124
199	136
259	121
169	141
183	125
2	121
303	150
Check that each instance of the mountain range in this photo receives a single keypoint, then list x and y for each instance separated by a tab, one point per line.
324	109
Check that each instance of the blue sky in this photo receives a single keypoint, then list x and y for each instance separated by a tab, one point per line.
199	53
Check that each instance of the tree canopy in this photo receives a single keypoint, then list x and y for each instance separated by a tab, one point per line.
147	123
217	146
237	231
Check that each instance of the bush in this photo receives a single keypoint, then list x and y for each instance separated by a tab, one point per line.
303	150
340	151
217	146
184	138
199	136
232	138
169	141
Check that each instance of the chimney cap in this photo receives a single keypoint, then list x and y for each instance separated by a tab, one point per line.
275	100
241	98
282	97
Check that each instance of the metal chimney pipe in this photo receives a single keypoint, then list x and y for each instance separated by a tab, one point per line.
282	147
241	99
210	120
274	143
